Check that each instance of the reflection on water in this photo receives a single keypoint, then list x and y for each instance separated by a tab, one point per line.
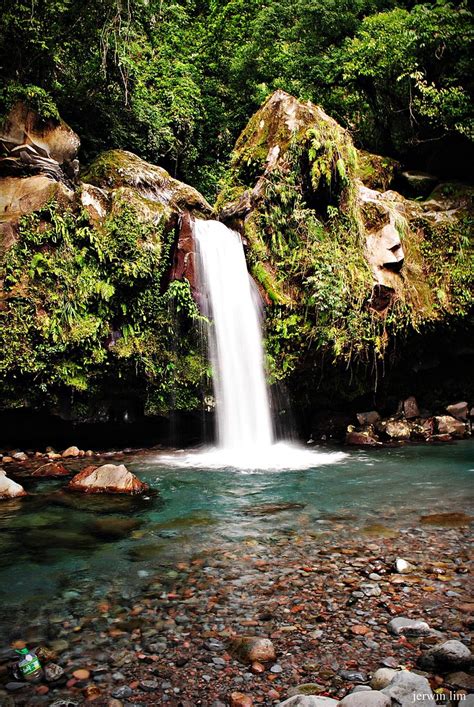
51	541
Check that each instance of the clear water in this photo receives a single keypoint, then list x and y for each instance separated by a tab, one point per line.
52	542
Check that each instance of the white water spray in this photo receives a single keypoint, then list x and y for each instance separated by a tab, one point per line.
244	422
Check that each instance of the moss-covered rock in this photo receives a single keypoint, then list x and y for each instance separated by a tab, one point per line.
345	264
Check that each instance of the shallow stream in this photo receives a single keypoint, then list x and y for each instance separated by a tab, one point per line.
55	544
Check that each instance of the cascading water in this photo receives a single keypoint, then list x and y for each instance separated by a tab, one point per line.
230	300
244	422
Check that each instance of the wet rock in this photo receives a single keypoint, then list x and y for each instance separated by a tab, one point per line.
239	699
20	456
403	567
408	688
53	672
271	508
397	429
368	418
460	681
366	699
308	701
381	678
114	528
458	410
401	626
16	686
122	692
416	184
148	685
445	424
446	656
353	676
108	478
50	470
307	688
9	488
361	439
371	590
447	520
71	452
249	649
410	408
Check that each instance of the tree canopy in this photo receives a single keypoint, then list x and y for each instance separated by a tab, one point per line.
176	80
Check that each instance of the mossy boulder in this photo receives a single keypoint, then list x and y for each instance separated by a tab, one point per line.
121	169
343	261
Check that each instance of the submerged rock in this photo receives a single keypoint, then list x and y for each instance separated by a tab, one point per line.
51	470
250	649
107	479
9	488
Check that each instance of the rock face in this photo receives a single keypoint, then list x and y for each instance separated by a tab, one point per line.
107	479
35	145
8	488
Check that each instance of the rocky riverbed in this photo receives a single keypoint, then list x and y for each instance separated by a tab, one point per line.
325	600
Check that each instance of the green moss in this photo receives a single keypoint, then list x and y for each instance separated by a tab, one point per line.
375	171
85	310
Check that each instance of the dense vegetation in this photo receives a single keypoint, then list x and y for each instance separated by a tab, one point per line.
88	317
175	82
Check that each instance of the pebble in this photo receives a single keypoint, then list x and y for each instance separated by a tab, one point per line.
381	678
402	626
122	692
53	672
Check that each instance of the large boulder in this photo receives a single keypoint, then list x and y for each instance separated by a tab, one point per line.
408	688
108	478
8	488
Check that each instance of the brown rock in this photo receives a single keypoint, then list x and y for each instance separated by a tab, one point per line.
184	266
51	469
368	418
362	439
107	479
410	408
445	424
251	649
238	699
81	674
447	520
397	429
458	410
71	452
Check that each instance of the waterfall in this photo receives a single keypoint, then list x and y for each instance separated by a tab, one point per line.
233	305
229	298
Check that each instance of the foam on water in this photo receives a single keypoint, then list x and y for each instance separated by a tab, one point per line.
274	457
